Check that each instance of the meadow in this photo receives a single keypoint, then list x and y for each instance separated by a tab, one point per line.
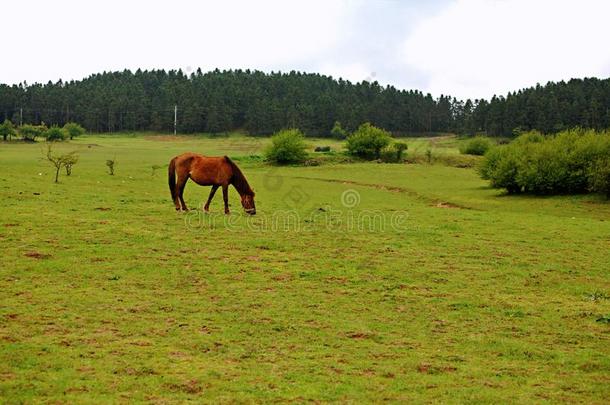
453	292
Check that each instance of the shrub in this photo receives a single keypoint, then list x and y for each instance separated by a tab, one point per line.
488	166
287	146
530	137
73	129
388	155
429	157
476	146
70	161
7	129
368	141
322	149
31	132
338	131
500	167
393	153
55	133
399	148
599	177
569	162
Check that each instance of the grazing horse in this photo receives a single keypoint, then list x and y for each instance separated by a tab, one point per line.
209	171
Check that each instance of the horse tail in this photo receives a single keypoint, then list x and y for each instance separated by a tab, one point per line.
171	174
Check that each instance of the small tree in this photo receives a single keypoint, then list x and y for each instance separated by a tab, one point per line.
7	130
287	146
71	160
338	132
73	130
368	141
60	161
399	148
111	163
31	132
55	133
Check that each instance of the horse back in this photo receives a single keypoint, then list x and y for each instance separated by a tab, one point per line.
205	170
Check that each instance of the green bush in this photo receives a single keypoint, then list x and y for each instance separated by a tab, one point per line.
393	153
569	162
399	148
322	149
55	133
287	146
599	177
478	145
73	129
530	137
29	133
500	168
368	141
7	130
387	155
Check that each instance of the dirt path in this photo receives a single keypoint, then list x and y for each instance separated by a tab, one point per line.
428	200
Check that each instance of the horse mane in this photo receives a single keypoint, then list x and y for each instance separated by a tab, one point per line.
239	180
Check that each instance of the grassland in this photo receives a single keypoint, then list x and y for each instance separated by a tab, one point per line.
108	295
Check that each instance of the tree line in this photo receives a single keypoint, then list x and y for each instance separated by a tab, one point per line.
263	103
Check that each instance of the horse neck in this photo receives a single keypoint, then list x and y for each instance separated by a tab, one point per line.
241	184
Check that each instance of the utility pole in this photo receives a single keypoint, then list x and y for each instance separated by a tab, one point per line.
21	116
175	117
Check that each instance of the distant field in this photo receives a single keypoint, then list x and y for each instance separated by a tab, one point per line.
354	282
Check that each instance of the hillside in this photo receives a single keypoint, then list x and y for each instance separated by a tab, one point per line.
261	103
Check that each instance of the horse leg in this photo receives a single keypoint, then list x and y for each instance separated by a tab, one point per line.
206	207
225	197
180	191
177	192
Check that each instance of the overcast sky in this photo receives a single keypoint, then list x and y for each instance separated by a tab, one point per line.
464	48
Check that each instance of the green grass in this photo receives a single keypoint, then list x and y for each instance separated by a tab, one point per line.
109	295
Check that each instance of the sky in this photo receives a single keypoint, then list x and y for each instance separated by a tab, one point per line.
463	48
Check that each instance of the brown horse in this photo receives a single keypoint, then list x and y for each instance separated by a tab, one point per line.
209	171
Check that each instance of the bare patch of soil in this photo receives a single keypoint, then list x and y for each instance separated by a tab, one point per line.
443	204
37	255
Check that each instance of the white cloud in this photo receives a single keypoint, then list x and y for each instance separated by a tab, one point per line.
475	48
466	48
71	39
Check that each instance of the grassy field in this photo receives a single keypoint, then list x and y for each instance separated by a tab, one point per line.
354	282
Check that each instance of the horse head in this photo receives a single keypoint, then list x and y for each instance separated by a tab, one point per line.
247	201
